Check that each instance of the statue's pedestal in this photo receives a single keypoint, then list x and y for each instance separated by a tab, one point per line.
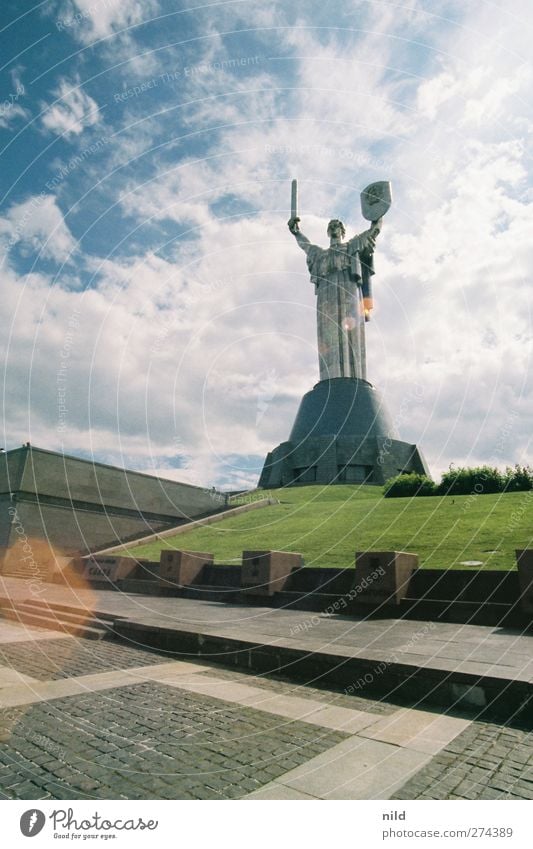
342	434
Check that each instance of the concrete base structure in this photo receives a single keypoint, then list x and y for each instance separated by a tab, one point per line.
342	434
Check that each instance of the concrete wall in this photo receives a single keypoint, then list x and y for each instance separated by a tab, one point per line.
80	506
75	530
11	469
48	473
5	520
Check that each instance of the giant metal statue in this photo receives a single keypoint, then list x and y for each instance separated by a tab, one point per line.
342	432
342	278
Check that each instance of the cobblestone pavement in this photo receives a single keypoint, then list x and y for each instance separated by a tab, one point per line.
486	761
149	741
188	730
69	657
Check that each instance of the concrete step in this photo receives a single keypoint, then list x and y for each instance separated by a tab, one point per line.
145	586
14	572
52	624
45	606
64	617
206	592
487	689
25	573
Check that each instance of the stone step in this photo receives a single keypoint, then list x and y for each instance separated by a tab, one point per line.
53	624
14	572
25	573
212	593
65	617
39	604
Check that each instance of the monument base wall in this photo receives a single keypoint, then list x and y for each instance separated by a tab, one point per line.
330	460
342	434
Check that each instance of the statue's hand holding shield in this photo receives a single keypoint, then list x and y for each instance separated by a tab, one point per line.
376	200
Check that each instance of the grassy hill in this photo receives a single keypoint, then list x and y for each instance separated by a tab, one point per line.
328	524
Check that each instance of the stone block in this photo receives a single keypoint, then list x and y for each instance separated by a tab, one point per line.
267	572
524	562
382	577
106	567
182	568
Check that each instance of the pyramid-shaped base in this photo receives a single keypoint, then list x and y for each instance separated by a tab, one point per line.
341	434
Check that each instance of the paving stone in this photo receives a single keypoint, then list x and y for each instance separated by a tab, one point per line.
206	741
420	730
71	657
496	771
356	769
489	793
279	791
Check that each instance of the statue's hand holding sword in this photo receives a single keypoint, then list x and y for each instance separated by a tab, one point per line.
294	221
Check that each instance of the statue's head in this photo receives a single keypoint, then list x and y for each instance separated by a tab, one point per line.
336	229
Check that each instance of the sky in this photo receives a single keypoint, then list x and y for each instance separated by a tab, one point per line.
156	312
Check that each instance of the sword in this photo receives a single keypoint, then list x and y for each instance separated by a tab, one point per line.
294	199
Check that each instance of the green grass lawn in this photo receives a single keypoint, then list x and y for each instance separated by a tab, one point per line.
328	524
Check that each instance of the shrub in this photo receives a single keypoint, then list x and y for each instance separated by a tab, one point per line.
479	480
403	486
518	479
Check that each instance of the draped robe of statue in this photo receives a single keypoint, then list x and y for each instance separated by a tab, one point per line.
339	274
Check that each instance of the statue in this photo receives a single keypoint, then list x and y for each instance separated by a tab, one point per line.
342	433
342	278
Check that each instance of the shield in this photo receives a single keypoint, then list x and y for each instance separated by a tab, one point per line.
376	200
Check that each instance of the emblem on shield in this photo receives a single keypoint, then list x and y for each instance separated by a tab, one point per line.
376	200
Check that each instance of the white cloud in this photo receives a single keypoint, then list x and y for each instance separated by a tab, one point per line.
72	111
11	108
95	19
492	104
37	225
11	112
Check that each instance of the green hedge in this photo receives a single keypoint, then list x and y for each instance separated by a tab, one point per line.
519	479
403	486
479	480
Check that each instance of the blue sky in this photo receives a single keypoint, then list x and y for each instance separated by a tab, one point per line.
156	311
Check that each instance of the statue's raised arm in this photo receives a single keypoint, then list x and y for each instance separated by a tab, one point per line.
294	226
294	222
